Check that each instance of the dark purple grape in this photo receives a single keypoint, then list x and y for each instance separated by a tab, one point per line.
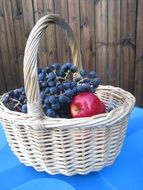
60	87
53	90
21	90
86	86
51	83
42	76
24	108
77	79
68	65
51	76
46	100
46	106
56	66
73	84
50	113
48	69
86	80
80	88
96	82
55	106
42	94
11	93
74	90
47	90
64	68
6	98
25	101
16	94
62	74
92	74
53	99
69	93
44	84
22	98
92	89
73	68
39	70
64	99
83	73
67	85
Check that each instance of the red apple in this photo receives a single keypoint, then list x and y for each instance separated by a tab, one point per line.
86	104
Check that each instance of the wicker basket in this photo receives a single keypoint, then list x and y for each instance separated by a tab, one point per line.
67	146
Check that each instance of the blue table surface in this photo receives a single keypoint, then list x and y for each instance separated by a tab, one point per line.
125	173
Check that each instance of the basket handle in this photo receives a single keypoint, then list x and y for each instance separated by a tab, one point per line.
31	82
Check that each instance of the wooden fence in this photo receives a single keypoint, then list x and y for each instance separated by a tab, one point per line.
110	34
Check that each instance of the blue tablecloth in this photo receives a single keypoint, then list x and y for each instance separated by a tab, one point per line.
125	173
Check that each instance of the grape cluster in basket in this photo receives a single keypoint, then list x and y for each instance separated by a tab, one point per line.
58	84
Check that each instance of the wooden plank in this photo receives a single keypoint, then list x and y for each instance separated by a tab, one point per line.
20	40
7	44
61	7
113	42
50	34
39	12
74	18
28	16
128	29
101	9
87	33
2	77
2	73
138	88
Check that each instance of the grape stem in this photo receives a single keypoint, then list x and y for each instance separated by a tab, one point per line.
82	80
18	102
64	78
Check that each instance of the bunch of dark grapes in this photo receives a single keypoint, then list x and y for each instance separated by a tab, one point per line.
16	100
58	85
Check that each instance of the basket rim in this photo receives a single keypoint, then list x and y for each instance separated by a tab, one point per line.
100	120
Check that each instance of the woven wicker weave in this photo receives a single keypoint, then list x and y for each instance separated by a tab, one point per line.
67	146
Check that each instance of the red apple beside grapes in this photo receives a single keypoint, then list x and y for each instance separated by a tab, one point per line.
86	104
